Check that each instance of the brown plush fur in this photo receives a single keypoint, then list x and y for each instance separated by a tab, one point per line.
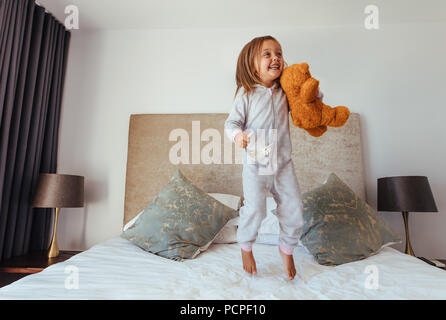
307	111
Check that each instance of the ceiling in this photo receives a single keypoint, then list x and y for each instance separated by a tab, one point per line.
153	14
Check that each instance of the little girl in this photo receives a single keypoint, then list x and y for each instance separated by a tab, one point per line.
261	106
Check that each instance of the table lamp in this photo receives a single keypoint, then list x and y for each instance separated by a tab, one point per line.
58	191
405	193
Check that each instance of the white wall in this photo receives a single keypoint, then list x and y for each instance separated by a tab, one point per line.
393	77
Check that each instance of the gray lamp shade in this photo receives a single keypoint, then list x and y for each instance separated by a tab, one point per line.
59	191
405	193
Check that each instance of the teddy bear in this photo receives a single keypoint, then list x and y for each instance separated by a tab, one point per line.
307	111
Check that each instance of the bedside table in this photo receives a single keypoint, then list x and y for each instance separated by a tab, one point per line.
435	262
18	267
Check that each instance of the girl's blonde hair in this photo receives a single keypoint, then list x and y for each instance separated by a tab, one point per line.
246	75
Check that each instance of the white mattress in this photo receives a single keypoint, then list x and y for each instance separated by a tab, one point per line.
117	269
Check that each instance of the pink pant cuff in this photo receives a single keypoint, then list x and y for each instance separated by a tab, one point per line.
246	247
288	251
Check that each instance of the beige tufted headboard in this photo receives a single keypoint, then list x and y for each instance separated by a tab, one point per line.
149	166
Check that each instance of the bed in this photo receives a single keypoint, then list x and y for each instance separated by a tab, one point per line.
117	269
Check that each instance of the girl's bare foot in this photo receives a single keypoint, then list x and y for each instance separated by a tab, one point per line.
288	263
249	264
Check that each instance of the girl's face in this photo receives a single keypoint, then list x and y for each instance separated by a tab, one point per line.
270	65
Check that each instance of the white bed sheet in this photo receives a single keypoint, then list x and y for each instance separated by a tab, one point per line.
117	269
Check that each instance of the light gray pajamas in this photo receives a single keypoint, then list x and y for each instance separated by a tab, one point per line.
267	108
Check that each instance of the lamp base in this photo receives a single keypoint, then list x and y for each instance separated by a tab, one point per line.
54	249
408	249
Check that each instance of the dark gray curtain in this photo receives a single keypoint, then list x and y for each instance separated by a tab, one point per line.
33	57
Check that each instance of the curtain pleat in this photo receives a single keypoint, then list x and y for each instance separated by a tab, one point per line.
43	116
33	54
14	129
9	14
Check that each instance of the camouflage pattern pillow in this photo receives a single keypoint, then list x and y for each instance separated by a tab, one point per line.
340	227
180	222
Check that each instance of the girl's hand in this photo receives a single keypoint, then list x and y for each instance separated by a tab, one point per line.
242	140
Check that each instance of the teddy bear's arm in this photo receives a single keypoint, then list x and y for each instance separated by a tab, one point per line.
309	90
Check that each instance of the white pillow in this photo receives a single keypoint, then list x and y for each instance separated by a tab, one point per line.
229	200
226	234
268	232
270	229
270	225
131	222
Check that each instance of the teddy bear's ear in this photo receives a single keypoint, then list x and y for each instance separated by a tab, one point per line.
304	66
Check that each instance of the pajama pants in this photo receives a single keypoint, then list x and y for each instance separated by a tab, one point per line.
285	189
